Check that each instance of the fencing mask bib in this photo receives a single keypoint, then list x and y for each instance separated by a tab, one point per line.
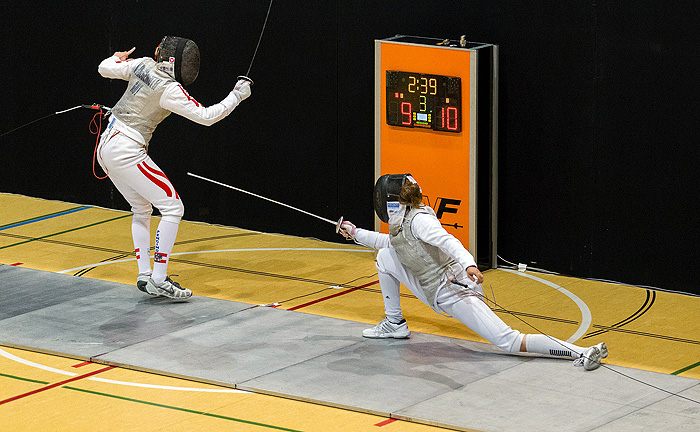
179	57
386	195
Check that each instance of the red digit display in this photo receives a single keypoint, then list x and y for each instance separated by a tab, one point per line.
423	101
452	114
406	113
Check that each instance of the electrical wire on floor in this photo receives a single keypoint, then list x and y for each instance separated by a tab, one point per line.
324	289
525	267
558	342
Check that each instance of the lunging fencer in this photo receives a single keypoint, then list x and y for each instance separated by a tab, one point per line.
419	253
156	88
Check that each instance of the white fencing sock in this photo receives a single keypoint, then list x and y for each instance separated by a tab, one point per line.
541	344
165	239
141	233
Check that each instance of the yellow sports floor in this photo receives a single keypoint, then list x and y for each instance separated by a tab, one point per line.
652	330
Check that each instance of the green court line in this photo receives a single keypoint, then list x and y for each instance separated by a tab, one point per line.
24	379
687	368
66	231
181	409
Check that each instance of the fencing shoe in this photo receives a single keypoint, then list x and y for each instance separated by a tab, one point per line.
590	359
168	288
141	282
387	329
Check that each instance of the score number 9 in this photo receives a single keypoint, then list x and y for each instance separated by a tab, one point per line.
422	85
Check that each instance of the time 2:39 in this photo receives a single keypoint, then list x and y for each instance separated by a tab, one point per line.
422	85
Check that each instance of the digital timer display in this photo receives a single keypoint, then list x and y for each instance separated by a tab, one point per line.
418	100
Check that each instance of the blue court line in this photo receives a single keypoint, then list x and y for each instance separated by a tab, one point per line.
53	215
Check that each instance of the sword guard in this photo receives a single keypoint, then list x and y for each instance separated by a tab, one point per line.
243	77
337	225
341	231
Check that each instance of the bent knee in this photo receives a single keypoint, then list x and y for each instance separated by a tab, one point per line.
173	210
384	256
511	342
142	211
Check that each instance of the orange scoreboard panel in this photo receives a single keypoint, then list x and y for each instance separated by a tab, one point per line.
426	123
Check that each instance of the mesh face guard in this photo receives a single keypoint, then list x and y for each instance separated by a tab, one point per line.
386	194
179	57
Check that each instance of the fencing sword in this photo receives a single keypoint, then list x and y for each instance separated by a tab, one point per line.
337	224
260	38
245	77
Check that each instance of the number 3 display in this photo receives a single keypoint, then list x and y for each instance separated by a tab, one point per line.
419	100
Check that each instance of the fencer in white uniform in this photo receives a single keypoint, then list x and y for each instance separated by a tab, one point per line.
155	89
420	254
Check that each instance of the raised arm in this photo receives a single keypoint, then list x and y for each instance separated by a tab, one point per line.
176	99
117	66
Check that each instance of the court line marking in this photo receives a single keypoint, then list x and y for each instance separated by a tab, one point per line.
332	296
54	385
685	369
187	410
586	317
220	250
30	363
61	384
41	218
64	232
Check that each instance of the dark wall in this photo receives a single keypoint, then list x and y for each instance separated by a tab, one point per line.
598	149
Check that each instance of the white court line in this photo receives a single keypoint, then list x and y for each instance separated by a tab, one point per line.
221	250
36	365
585	312
109	381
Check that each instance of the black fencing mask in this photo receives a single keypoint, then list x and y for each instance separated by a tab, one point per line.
386	194
179	57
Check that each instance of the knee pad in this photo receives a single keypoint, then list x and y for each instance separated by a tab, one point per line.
382	256
515	345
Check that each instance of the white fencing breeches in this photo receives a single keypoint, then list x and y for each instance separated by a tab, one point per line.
137	177
470	310
144	185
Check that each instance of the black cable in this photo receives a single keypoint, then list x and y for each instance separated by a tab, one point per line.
555	340
92	106
27	124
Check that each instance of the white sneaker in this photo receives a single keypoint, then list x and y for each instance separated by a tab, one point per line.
387	329
141	282
590	359
169	288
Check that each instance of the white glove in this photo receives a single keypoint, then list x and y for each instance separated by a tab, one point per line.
241	90
347	229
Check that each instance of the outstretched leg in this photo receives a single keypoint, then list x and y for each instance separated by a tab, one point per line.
471	311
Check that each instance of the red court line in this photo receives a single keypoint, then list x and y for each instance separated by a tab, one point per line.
386	422
16	264
331	296
58	384
85	363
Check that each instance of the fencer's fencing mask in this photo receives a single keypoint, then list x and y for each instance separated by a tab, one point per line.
386	194
179	57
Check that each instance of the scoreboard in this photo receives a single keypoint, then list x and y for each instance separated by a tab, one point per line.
436	117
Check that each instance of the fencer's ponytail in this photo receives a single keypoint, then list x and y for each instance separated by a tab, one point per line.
411	194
